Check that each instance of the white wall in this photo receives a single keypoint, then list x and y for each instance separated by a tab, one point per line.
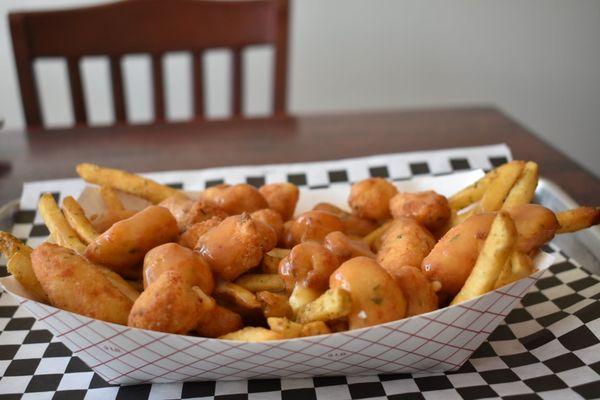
539	60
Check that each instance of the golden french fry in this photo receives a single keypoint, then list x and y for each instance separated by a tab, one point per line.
118	282
333	304
274	305
494	255
253	334
472	193
517	267
19	265
372	239
125	182
110	199
260	282
314	328
76	218
500	186
18	256
288	329
524	189
240	296
57	224
577	219
301	296
9	245
270	261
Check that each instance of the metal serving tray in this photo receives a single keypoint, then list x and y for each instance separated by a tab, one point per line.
583	246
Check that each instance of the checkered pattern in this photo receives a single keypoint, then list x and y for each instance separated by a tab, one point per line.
548	345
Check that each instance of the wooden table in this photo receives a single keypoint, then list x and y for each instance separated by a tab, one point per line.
46	155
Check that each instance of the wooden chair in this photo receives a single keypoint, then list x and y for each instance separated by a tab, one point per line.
153	27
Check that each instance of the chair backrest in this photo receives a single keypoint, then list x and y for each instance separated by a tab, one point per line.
152	27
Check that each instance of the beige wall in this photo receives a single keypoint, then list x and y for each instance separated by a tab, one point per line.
537	60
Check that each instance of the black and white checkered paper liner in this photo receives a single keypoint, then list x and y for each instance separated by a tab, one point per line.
547	347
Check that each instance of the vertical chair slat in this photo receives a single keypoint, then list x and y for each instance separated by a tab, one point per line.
159	92
198	86
24	60
281	58
117	88
236	105
76	91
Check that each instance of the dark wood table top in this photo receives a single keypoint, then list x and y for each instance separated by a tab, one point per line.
54	154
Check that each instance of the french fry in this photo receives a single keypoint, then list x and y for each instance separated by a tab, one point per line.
260	282
372	239
472	193
18	257
125	182
270	261
58	226
524	189
76	218
518	266
19	265
333	304
9	245
274	305
315	328
577	219
290	329
237	294
500	186
494	255
301	296
253	334
118	282
110	199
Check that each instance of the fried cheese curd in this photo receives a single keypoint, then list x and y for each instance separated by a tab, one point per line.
353	225
170	304
189	238
174	257
428	208
376	297
236	245
306	271
419	292
74	284
234	199
370	198
123	246
406	242
281	197
345	248
270	218
178	205
309	265
310	226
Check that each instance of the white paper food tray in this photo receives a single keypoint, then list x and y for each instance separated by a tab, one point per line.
441	340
